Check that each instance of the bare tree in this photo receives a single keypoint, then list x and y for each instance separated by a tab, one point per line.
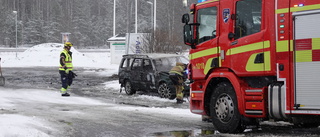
159	42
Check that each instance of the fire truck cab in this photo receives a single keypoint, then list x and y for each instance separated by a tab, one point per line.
254	60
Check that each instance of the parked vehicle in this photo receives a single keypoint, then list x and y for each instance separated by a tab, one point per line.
254	60
149	72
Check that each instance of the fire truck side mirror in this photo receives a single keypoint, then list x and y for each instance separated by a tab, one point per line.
187	36
185	18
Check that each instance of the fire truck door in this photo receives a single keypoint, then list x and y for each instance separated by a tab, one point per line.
307	59
248	43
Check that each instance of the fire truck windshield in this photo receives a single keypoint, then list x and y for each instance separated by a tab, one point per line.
207	19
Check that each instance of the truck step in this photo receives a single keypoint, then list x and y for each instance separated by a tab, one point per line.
255	103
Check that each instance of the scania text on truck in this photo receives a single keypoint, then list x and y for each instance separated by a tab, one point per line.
254	60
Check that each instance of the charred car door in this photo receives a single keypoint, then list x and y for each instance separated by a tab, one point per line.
136	74
149	74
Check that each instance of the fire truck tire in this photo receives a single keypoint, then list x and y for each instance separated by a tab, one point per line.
128	88
224	109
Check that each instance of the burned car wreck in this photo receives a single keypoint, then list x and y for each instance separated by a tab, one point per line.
149	73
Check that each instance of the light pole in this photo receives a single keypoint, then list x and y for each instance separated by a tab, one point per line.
154	15
114	17
185	3
16	13
136	18
152	12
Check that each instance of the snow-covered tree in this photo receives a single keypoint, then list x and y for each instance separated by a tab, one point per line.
90	22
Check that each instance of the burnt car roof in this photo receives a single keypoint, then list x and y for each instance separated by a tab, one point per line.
153	55
160	64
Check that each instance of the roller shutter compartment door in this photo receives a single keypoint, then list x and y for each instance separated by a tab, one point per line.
307	59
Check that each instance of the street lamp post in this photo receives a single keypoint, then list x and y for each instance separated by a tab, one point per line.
114	17
16	13
136	17
154	15
185	3
152	12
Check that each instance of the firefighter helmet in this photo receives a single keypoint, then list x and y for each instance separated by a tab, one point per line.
68	44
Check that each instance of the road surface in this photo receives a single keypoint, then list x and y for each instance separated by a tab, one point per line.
116	114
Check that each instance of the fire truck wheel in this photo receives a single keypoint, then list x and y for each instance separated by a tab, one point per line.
224	109
128	88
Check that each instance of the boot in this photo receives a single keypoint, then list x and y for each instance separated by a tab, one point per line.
180	101
65	95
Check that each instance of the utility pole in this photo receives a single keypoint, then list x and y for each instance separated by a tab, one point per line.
114	17
136	22
16	13
154	15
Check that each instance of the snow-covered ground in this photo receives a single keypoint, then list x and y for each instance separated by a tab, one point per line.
17	105
48	55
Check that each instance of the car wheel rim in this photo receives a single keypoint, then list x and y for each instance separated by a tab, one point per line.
128	87
224	108
167	92
164	91
161	92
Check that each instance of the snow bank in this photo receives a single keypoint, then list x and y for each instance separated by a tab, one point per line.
48	55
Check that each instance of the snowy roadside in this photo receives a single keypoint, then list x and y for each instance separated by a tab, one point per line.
21	111
18	125
34	112
12	123
16	120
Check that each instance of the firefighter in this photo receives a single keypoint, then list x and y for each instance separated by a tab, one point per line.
65	69
176	74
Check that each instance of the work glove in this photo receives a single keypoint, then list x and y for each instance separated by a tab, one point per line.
180	80
72	74
67	71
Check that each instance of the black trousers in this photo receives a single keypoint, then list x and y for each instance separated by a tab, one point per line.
66	79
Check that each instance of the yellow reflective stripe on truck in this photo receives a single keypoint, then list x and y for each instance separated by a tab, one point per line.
308	50
295	9
283	46
315	43
249	47
203	53
265	66
206	2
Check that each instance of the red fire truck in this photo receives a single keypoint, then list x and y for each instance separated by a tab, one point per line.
254	60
